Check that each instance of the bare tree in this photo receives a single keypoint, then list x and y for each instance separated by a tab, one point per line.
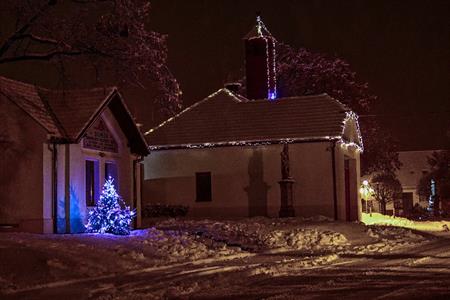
108	37
386	189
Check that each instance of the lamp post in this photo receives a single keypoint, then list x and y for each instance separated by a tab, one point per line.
366	192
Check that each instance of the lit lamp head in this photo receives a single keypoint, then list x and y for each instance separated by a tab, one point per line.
365	190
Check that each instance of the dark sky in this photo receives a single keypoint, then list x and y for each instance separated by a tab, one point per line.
401	48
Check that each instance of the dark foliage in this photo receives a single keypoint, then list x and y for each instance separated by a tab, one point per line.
387	189
439	163
164	210
301	72
104	39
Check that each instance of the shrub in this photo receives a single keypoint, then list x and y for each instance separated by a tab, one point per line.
164	210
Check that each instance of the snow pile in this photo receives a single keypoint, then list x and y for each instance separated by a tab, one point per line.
294	266
302	239
192	248
379	219
176	245
263	234
388	239
93	255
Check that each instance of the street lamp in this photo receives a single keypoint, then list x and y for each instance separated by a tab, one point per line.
366	192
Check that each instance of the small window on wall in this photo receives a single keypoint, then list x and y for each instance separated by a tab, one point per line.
92	182
111	170
203	186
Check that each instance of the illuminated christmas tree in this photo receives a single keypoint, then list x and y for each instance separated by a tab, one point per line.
108	216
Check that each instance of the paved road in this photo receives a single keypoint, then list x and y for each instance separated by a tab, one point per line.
421	272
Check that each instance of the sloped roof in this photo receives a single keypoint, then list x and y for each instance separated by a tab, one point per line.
223	118
75	108
27	98
68	114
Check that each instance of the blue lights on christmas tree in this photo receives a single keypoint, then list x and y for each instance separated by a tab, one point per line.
108	216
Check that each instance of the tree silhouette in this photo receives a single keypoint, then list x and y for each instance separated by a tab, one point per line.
106	38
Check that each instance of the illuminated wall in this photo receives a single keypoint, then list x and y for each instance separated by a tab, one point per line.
72	209
245	179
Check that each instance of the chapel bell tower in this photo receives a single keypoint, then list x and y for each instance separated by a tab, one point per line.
260	66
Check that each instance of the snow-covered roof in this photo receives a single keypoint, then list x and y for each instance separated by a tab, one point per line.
226	119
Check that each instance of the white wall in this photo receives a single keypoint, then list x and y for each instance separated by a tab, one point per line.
21	164
244	179
414	163
77	155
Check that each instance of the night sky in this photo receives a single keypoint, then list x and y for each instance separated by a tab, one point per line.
401	48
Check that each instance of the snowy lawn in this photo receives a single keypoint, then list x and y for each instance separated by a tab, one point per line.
30	260
379	219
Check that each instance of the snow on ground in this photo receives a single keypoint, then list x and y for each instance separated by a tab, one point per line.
317	235
262	234
257	245
30	259
379	219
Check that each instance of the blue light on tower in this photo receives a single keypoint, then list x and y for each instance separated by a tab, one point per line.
272	95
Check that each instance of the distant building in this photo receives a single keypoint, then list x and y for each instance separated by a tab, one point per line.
415	146
414	166
221	156
57	149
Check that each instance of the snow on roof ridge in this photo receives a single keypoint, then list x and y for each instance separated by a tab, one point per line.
228	92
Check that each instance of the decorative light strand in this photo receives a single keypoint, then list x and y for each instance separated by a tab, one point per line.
350	115
274	69
271	92
222	90
246	143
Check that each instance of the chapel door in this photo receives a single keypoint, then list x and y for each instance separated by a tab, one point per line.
347	189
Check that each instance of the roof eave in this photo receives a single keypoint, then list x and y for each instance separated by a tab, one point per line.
246	143
141	136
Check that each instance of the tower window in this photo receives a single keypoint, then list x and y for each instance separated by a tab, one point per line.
203	186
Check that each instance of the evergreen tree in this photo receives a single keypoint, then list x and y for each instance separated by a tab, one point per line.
109	216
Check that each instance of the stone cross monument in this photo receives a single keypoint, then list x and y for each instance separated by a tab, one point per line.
286	183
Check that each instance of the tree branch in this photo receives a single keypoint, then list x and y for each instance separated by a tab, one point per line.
37	38
90	1
10	41
40	56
